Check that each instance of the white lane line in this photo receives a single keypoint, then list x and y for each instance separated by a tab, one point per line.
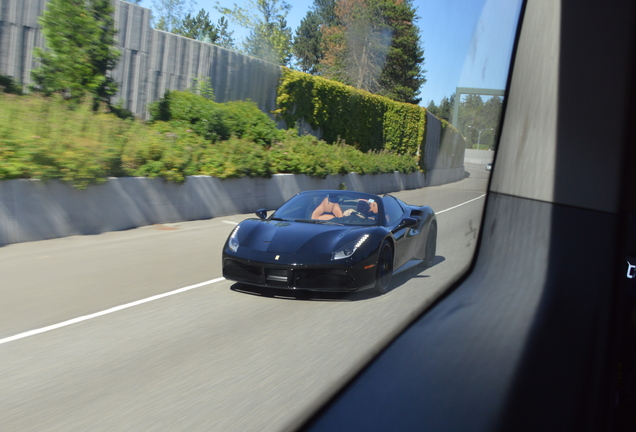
230	222
459	205
105	312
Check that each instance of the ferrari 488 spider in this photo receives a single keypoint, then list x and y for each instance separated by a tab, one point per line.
330	240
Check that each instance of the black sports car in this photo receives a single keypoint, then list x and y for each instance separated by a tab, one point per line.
330	240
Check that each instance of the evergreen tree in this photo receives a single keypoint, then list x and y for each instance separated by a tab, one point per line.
476	115
201	28
307	46
270	38
80	37
433	109
355	47
224	38
402	74
374	45
169	14
446	108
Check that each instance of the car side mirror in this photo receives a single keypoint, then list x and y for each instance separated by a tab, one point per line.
261	213
406	223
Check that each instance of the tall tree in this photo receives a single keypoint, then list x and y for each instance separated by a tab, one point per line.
308	45
374	45
270	38
476	115
78	62
169	14
433	109
445	110
224	38
356	47
201	28
402	75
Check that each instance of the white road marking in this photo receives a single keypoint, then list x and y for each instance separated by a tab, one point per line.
459	205
105	312
230	222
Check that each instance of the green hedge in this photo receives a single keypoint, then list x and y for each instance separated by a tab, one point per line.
364	120
42	138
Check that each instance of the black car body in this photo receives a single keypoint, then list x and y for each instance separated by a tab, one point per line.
358	246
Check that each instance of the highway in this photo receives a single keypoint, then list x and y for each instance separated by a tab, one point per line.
213	356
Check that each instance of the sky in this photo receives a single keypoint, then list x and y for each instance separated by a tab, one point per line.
467	43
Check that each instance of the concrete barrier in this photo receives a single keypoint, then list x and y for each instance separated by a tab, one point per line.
479	157
35	210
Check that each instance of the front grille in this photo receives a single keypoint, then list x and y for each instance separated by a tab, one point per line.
243	272
322	278
277	277
312	279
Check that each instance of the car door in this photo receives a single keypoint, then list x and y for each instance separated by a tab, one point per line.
393	214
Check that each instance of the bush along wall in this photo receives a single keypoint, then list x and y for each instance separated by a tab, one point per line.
366	121
48	138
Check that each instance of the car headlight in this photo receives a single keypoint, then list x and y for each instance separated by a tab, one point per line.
349	249
233	242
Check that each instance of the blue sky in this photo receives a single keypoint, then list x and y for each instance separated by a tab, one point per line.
467	43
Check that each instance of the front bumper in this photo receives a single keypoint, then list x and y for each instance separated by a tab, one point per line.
333	277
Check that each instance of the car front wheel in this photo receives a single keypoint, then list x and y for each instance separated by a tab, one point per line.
385	268
431	245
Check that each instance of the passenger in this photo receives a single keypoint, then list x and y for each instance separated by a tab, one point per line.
327	210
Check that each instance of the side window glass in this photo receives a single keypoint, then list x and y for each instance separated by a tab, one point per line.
392	210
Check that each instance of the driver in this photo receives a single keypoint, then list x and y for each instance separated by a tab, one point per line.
364	208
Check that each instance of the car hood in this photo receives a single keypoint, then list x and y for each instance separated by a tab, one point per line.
303	238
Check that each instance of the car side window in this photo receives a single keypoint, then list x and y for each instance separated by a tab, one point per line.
392	210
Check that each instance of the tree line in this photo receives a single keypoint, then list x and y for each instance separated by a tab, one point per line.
475	115
372	45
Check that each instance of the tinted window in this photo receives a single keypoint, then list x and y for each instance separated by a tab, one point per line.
392	210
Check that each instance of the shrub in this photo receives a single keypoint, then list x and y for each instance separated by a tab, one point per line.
214	121
9	85
43	138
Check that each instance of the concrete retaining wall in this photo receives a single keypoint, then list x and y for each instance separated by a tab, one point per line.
34	210
480	157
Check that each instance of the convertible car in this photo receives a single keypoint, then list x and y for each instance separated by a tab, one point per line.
331	240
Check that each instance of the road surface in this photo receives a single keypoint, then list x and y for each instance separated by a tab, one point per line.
213	356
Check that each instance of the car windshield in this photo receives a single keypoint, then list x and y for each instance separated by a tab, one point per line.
332	207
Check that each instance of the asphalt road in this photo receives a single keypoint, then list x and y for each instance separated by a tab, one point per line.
216	357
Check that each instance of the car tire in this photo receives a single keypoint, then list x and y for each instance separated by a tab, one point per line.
431	245
385	268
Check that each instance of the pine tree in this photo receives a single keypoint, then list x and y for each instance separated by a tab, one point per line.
374	45
80	37
169	14
402	74
307	46
270	39
201	28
